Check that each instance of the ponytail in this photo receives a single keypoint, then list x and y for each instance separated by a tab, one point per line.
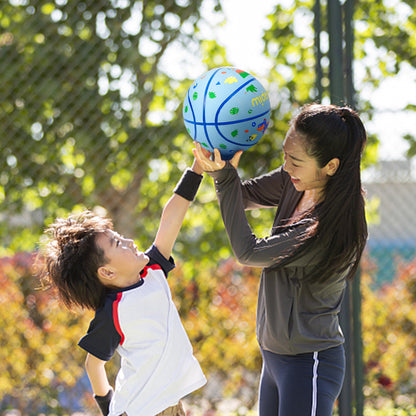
336	132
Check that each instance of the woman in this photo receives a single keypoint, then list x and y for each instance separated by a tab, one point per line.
318	235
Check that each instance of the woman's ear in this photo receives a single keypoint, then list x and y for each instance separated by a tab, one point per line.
105	273
332	166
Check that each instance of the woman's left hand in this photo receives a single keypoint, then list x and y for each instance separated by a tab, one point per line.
212	165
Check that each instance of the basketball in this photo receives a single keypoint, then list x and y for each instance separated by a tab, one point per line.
227	109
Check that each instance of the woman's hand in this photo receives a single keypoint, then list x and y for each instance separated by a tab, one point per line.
203	158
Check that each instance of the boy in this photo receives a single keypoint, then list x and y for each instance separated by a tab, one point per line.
94	267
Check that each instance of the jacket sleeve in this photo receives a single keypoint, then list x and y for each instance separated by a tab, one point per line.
264	191
248	249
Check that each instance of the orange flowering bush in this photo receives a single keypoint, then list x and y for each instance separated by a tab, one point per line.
38	358
389	336
218	309
40	362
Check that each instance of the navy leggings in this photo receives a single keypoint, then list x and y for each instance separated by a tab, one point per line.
301	385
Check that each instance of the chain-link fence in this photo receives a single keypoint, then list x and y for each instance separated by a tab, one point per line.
391	199
86	108
388	285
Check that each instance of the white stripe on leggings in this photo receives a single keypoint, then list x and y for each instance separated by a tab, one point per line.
315	384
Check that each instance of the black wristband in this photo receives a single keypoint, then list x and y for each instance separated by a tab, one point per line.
188	185
104	402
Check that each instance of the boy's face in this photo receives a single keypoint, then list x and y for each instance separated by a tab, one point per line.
124	261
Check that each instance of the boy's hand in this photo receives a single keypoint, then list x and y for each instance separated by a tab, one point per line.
196	167
209	165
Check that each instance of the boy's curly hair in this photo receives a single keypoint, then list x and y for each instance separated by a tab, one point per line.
72	258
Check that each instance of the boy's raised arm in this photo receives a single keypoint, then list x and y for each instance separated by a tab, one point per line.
175	210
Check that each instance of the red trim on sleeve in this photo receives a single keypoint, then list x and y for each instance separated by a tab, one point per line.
143	273
115	316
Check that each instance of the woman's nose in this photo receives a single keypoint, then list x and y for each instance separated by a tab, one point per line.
285	166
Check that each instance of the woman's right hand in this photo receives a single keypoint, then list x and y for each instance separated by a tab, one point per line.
210	165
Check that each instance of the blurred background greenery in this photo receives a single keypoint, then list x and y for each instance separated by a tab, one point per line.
91	117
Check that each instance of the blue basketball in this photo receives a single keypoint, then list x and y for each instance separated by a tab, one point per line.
227	109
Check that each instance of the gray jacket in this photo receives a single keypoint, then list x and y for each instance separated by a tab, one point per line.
294	315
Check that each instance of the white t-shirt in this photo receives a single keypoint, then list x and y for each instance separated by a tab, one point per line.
142	324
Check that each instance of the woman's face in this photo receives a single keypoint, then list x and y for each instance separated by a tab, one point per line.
303	169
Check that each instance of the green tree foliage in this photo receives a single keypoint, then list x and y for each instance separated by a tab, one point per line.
385	39
87	108
91	114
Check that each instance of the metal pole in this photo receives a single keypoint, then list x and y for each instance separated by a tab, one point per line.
357	350
341	90
349	52
337	96
336	69
317	25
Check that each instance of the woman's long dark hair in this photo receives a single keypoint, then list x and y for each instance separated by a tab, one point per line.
341	229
